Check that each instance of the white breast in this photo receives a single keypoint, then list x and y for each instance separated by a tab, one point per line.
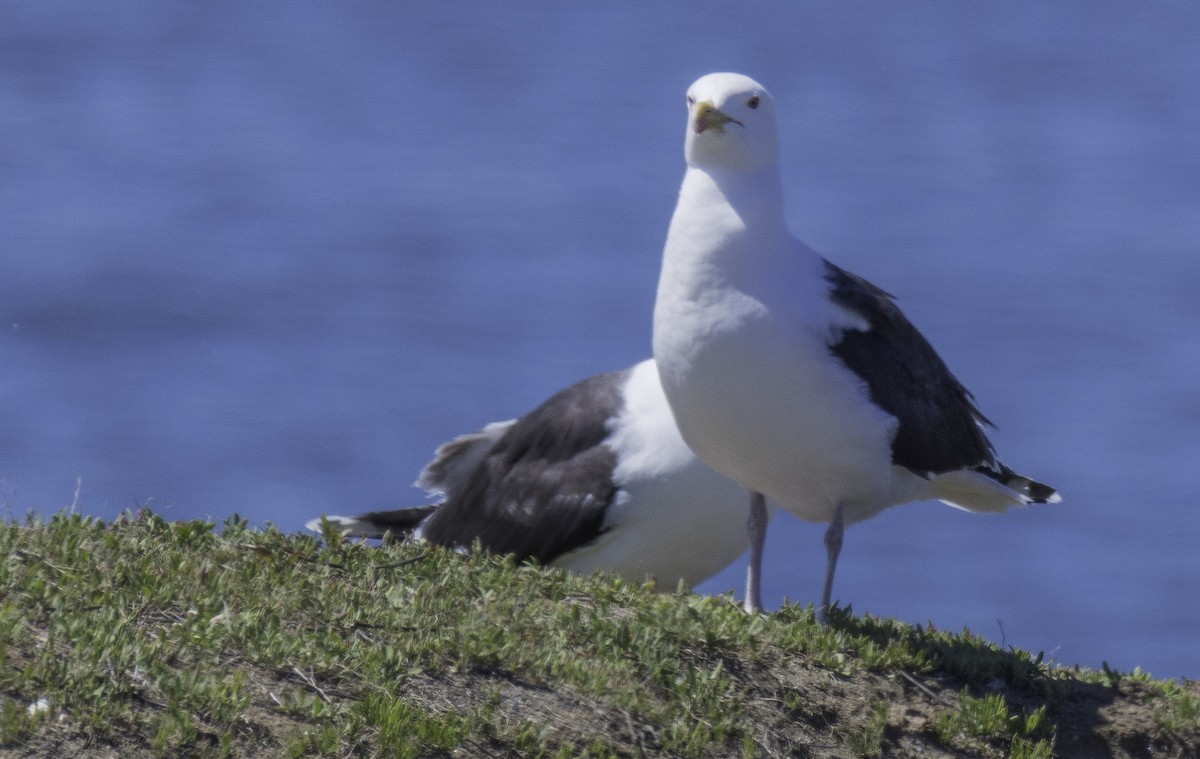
742	328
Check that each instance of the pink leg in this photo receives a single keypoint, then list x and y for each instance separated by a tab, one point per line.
756	528
833	547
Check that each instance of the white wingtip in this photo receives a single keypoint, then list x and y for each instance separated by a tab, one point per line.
347	525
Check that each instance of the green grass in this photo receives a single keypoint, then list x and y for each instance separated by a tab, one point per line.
977	722
165	639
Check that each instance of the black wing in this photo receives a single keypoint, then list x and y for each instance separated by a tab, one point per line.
939	427
544	487
375	524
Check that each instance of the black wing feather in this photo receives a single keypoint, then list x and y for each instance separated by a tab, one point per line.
939	428
544	487
399	522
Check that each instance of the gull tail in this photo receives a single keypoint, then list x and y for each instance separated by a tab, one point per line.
987	488
375	524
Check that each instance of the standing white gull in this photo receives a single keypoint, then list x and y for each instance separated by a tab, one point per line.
789	375
595	478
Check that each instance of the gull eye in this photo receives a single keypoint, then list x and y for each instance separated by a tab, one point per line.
752	102
691	101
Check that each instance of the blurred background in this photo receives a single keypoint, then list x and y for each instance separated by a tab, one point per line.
263	258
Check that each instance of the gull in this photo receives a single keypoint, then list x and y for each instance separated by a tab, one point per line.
801	381
595	478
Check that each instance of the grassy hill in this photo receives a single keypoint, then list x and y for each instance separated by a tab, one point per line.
149	638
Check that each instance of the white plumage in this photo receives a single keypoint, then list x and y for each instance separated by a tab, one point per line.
789	375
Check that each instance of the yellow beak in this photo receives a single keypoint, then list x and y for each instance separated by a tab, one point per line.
708	117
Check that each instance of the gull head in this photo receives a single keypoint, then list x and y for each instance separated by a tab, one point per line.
731	123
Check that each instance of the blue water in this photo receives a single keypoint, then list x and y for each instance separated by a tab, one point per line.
262	258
